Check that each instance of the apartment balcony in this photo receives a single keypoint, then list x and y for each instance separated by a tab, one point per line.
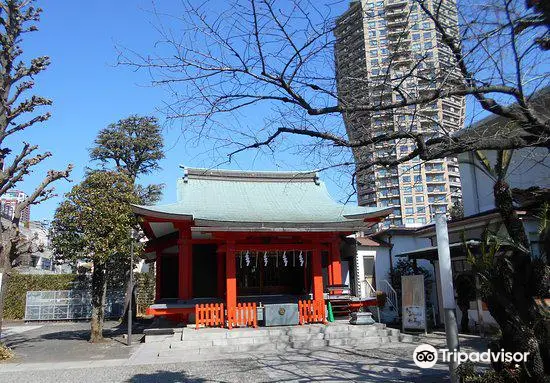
399	42
397	32
434	170
396	12
392	4
435	180
398	22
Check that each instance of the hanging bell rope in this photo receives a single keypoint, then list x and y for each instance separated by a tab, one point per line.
265	258
247	258
285	259
301	258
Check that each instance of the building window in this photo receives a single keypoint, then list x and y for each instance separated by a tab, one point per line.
409	200
407	190
416	36
409	211
406	178
421	220
410	221
419	188
428	45
419	199
421	210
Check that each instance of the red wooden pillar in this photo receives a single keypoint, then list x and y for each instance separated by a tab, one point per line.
158	275
220	264
185	264
317	269
334	260
329	270
231	283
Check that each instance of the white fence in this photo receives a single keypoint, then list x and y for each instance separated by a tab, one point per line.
68	305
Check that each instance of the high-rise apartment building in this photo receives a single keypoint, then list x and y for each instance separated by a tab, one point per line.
386	50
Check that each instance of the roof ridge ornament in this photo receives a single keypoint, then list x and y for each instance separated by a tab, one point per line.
185	173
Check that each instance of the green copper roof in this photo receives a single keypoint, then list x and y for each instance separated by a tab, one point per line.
214	197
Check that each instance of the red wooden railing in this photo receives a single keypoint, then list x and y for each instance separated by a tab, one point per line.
244	315
209	315
311	311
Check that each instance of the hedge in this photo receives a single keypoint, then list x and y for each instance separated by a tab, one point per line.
19	284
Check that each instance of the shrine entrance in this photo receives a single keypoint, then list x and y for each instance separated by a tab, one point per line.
269	273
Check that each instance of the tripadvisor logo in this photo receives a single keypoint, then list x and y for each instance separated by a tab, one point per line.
426	356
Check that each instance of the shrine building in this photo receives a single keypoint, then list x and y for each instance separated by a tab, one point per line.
236	241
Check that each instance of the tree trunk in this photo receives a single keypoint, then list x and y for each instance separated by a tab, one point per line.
99	292
464	321
513	287
3	287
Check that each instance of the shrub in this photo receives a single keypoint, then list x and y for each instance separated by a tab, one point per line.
5	352
381	297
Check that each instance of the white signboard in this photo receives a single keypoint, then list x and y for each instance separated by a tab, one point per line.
414	302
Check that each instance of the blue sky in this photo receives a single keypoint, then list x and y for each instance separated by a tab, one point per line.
89	91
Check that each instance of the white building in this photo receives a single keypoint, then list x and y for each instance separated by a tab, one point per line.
529	168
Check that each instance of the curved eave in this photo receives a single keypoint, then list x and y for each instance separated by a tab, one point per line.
372	214
144	211
351	222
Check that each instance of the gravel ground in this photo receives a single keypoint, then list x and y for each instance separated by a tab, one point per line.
59	353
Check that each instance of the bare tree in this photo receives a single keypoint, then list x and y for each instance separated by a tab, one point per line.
18	113
221	61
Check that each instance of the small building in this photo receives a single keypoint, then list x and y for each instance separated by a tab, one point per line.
527	175
239	237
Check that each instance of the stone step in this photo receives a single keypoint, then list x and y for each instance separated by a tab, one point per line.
367	341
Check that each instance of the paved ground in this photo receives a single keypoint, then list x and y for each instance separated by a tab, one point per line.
64	341
59	353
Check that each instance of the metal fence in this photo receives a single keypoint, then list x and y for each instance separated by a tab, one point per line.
69	305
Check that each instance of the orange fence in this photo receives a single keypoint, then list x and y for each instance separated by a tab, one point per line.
245	315
311	311
209	315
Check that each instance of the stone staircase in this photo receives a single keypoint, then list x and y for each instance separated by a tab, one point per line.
187	341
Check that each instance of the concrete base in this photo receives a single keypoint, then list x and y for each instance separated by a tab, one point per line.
361	318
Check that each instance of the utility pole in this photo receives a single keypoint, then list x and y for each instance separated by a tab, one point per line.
447	290
131	290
